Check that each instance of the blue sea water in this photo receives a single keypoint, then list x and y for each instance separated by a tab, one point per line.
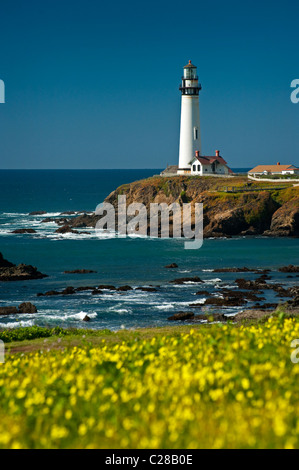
131	261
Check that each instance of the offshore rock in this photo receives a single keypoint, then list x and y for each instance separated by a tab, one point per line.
289	269
181	316
27	307
24	307
37	212
80	271
21	272
183	280
24	230
8	310
4	263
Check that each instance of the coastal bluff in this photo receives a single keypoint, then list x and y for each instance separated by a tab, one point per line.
248	210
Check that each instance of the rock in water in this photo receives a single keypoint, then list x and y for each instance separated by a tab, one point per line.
37	212
24	307
8	310
80	271
68	291
84	220
289	269
182	280
147	289
96	291
86	318
66	229
50	292
4	263
172	265
181	316
24	230
21	272
210	317
27	307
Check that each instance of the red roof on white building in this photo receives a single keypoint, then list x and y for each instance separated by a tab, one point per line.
208	160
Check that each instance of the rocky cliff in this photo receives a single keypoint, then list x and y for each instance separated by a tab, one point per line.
272	212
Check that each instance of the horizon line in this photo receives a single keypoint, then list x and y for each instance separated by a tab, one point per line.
84	169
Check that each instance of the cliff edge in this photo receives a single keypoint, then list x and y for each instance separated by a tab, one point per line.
270	209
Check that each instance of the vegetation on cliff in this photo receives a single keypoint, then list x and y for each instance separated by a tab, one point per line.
257	209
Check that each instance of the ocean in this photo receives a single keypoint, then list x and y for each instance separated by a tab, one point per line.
137	262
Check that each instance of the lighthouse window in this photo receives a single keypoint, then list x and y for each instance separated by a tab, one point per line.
195	133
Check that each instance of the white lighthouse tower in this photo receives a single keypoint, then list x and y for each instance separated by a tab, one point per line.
190	126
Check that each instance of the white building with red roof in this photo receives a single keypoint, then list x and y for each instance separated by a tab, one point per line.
204	165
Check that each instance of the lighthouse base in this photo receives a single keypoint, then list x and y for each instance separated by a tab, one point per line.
184	171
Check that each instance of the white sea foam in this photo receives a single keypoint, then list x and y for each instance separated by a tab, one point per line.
12	214
182	303
47	214
229	287
165	307
185	285
192	282
171	305
6	232
42	222
212	281
16	324
81	315
120	310
200	301
66	236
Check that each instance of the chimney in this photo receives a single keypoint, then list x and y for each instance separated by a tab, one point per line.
278	163
217	153
197	153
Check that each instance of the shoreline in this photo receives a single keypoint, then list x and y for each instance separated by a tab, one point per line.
34	338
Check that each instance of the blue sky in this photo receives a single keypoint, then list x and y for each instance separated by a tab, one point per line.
94	84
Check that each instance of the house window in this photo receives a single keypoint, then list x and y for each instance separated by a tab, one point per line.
198	167
194	167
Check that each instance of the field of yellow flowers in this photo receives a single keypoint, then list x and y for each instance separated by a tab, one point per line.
217	386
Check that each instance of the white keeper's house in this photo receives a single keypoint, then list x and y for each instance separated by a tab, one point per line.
203	165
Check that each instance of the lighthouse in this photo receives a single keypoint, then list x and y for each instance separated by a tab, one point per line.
190	126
